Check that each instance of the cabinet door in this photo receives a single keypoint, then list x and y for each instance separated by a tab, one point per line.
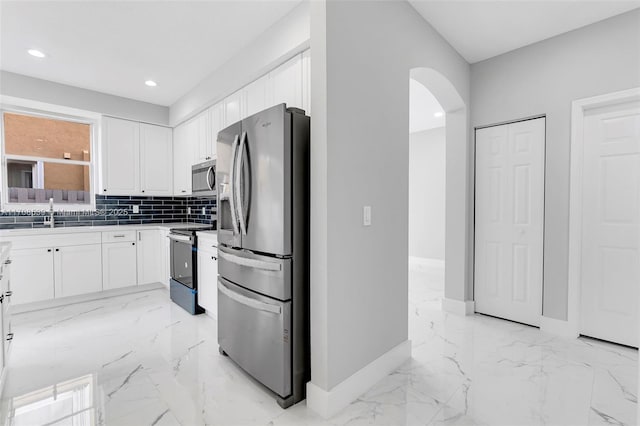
233	108
32	275
208	281
217	124
306	81
119	267
256	95
286	83
183	146
202	144
150	257
78	270
156	160
120	157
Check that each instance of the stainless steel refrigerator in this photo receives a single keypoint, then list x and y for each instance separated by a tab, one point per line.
263	248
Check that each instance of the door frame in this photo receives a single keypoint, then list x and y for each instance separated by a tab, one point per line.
544	201
579	108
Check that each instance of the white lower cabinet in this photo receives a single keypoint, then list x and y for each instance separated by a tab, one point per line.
32	271
150	257
119	265
208	276
77	270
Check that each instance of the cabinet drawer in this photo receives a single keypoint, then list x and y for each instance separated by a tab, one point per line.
118	236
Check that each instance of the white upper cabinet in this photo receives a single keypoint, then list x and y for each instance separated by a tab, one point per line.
216	113
286	83
256	95
202	137
233	108
306	81
120	157
136	158
156	165
183	156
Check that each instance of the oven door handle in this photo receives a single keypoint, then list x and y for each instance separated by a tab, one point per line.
181	238
251	263
248	301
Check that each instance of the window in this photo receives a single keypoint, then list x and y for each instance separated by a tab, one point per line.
47	158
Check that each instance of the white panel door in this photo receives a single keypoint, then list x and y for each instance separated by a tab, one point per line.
286	83
119	265
509	215
32	275
610	256
156	165
150	257
120	157
78	270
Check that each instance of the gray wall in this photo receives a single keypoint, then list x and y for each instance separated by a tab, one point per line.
22	86
360	151
283	40
545	78
427	198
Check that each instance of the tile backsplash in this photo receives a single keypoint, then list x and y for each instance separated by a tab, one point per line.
118	210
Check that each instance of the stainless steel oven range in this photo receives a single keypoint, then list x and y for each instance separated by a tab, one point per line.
183	286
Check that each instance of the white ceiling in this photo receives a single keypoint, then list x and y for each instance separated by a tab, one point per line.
114	46
422	107
480	29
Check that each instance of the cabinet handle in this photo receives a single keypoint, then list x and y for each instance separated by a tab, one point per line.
104	190
57	249
184	190
139	236
7	262
133	244
1	298
10	336
119	236
214	258
49	250
9	293
143	190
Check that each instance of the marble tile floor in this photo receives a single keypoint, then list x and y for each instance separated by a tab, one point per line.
140	360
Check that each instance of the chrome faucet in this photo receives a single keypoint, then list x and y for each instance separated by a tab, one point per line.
50	218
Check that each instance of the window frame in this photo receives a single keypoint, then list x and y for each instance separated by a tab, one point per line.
55	113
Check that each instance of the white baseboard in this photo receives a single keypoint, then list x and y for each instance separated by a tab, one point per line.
459	307
54	303
558	327
425	263
329	403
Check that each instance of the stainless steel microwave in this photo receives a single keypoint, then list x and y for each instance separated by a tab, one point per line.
203	179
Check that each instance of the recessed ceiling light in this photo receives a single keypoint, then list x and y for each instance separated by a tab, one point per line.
438	114
36	53
151	83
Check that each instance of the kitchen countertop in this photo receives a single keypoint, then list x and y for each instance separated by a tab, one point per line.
80	229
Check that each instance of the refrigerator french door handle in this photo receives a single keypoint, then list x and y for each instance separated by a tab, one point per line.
252	303
238	190
232	178
251	263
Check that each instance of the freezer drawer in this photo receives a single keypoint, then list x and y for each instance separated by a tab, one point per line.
255	332
266	275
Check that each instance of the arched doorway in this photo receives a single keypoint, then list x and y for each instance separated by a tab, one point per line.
457	289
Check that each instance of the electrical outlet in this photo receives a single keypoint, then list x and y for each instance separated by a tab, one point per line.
204	211
136	208
188	210
366	215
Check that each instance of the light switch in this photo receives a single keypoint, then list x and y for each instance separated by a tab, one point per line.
188	210
366	215
204	211
136	208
